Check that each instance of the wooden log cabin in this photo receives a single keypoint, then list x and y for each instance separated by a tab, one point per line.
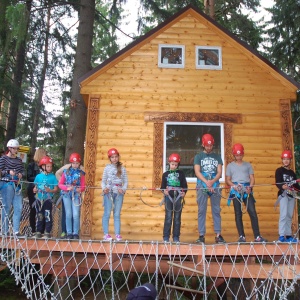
186	77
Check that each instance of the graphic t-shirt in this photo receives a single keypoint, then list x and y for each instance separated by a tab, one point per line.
208	163
283	176
42	181
174	178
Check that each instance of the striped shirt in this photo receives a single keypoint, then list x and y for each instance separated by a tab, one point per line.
112	181
11	164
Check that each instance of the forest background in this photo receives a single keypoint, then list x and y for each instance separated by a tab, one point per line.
46	45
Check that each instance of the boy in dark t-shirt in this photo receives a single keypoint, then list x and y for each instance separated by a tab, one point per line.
284	177
174	187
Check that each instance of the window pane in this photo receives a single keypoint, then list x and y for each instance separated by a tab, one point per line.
185	139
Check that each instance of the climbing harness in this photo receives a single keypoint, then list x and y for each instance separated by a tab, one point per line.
241	194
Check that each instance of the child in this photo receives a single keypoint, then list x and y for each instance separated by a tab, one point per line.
114	186
174	187
240	176
58	175
45	187
284	177
208	170
11	171
33	170
72	184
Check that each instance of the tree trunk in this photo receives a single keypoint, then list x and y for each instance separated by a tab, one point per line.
38	106
17	82
209	8
78	111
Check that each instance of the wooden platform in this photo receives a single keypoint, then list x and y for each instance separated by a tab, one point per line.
78	257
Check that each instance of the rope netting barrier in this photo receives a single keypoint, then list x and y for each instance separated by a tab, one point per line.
94	269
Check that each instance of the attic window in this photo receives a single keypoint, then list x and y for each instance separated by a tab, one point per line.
208	57
171	56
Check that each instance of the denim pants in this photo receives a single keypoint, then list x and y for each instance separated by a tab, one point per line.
44	216
72	212
250	204
215	201
112	202
170	210
10	198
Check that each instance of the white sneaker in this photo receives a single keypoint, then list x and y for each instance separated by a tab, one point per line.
118	237
107	237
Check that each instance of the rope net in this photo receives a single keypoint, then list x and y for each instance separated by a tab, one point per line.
94	269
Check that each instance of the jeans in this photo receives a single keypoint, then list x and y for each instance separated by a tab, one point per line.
63	218
215	201
112	202
10	198
72	211
250	204
44	216
170	209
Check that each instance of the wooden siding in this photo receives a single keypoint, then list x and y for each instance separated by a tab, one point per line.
134	85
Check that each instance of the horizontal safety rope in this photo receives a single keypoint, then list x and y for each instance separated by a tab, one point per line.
159	189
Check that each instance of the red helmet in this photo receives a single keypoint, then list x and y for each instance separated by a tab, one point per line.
75	157
207	139
112	151
238	149
45	160
287	154
174	157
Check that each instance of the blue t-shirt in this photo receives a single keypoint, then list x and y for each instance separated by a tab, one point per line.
43	180
208	163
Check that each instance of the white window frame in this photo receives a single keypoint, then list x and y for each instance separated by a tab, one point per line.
200	64
222	147
163	63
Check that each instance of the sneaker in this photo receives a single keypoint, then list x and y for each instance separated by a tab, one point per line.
219	239
47	235
260	239
176	240
201	239
63	235
290	239
70	236
18	234
75	236
166	240
118	237
107	237
242	239
38	235
281	239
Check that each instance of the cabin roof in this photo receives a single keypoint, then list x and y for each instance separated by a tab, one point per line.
195	12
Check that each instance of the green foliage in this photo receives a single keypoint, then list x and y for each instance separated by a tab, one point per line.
17	18
283	43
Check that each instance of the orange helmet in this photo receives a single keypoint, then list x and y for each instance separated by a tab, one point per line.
112	151
174	157
238	149
45	160
207	139
75	157
287	154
